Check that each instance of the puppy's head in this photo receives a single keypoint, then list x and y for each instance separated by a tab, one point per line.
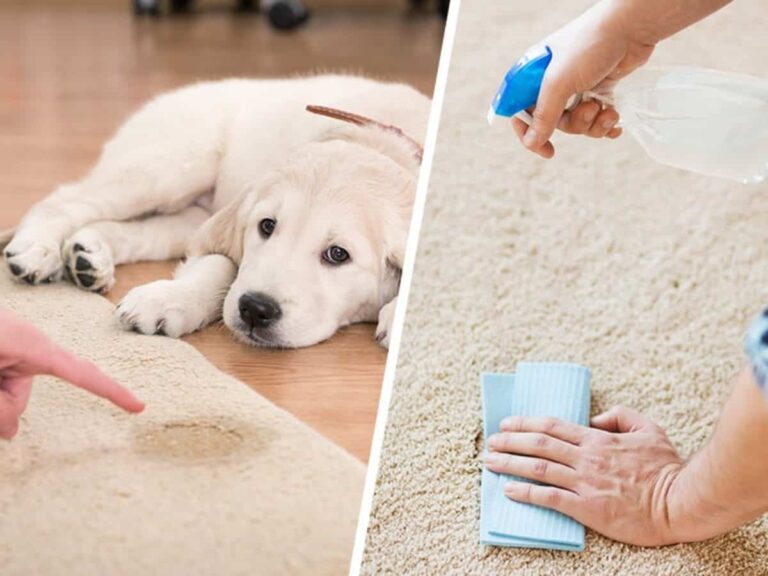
319	243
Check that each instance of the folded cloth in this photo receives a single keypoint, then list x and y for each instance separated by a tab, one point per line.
536	389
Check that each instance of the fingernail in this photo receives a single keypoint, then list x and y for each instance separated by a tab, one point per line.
492	441
590	115
510	488
608	123
531	138
492	458
509	423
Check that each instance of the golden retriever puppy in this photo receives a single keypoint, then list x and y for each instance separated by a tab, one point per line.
293	224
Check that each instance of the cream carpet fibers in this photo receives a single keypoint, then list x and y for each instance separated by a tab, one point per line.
210	479
643	273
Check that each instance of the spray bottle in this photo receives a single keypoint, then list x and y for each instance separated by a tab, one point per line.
704	121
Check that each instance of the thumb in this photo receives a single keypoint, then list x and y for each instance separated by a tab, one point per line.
553	98
621	419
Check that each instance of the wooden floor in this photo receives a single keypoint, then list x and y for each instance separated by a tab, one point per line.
71	71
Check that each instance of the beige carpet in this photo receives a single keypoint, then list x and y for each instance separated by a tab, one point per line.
210	479
643	273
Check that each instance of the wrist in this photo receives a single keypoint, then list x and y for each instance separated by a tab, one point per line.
648	22
641	22
695	505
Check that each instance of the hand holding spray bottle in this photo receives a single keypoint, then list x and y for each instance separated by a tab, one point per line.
705	121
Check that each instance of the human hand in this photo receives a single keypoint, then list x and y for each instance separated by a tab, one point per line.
25	352
590	53
614	478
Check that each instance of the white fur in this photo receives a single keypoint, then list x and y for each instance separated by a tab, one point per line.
240	151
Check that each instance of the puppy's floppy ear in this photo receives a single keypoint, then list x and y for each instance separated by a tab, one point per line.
223	233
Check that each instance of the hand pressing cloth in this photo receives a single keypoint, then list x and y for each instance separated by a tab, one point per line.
558	390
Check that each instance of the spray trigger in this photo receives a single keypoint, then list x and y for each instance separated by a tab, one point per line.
520	88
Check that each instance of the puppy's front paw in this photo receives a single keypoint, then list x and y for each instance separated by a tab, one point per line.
34	261
161	307
386	318
89	261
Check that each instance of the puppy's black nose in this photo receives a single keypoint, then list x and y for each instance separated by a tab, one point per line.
259	310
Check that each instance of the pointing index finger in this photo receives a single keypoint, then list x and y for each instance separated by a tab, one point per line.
38	354
84	374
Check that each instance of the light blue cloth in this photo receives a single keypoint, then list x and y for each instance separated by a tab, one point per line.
537	389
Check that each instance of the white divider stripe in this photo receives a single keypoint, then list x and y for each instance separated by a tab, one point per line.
405	286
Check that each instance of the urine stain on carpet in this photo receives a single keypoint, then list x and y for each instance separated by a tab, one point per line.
197	442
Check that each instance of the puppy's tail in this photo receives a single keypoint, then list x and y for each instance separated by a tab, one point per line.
6	236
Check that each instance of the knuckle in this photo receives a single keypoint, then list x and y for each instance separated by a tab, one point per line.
541	441
540	468
552	497
527	491
540	115
548	425
602	439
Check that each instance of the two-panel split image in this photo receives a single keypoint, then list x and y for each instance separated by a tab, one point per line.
383	287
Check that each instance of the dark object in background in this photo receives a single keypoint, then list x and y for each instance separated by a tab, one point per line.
442	6
157	7
282	14
285	14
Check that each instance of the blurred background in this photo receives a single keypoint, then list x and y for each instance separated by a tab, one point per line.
72	70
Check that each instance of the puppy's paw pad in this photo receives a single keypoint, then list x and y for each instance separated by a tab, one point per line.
82	264
89	261
34	261
156	308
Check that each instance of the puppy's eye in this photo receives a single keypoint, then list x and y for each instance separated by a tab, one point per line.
266	227
335	255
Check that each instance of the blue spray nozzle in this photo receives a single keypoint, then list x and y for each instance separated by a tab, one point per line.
520	88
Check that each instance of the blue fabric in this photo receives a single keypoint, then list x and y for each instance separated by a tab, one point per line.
756	348
537	389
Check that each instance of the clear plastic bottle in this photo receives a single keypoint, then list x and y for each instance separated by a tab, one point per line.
705	121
